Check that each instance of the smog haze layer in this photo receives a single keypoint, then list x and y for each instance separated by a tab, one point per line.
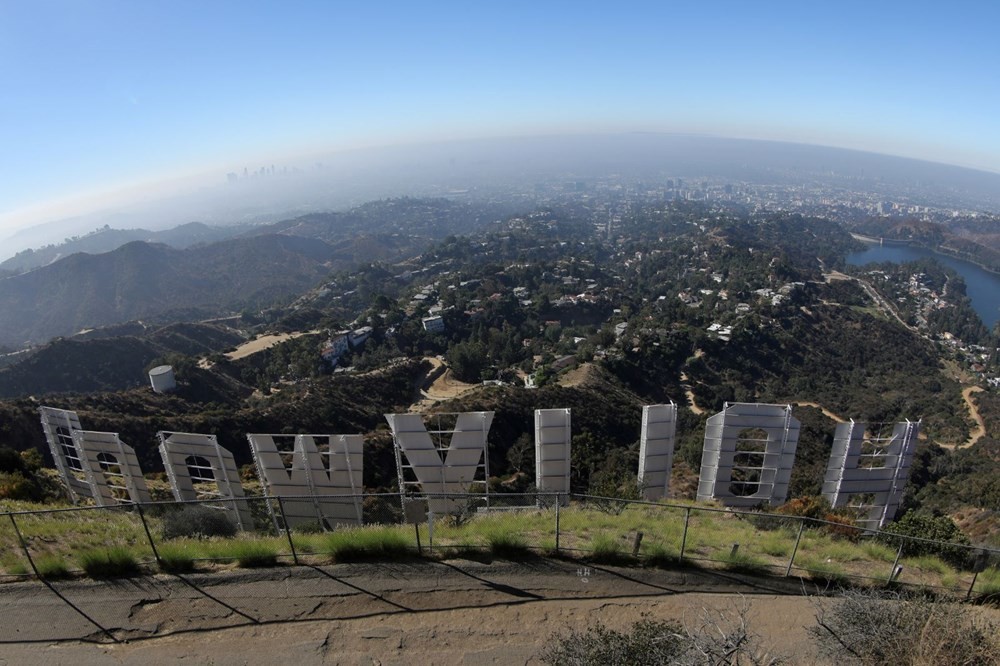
113	108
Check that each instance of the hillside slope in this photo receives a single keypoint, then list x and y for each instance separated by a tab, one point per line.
108	364
140	280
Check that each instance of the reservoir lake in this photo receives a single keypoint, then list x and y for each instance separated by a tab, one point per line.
982	286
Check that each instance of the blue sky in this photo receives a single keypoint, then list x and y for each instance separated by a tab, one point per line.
98	95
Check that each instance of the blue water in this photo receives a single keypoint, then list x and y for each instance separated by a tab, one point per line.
982	286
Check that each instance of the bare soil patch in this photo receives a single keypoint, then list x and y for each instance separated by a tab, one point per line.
262	343
576	376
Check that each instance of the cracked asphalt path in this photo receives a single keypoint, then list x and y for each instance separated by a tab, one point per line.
450	612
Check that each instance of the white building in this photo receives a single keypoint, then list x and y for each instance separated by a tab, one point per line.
433	324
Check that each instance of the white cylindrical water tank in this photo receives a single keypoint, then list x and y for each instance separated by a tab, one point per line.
162	379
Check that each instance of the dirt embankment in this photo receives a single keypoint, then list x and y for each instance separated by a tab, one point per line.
437	385
576	376
262	343
251	347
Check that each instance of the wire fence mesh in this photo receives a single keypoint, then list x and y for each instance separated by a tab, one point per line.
59	545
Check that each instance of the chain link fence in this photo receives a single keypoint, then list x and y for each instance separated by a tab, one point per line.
60	546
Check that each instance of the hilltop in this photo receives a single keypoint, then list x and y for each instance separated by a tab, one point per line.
107	239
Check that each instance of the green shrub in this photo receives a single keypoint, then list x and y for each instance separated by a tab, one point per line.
16	486
821	570
177	557
253	553
607	549
381	510
307	544
743	562
658	555
878	551
506	543
17	569
51	567
988	585
197	520
776	544
613	491
926	526
368	544
113	562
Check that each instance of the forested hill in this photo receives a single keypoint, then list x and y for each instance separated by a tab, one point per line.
140	280
74	365
267	264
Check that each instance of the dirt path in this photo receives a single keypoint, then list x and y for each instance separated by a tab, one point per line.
444	387
454	612
826	412
980	430
689	394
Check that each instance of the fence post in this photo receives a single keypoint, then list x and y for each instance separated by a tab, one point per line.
558	502
684	537
895	562
972	585
791	560
288	530
149	535
977	566
637	544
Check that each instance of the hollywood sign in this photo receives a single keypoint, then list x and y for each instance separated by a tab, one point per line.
747	459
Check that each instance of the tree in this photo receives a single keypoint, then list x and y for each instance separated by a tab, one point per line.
467	360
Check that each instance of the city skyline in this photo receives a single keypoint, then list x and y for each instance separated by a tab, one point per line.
106	96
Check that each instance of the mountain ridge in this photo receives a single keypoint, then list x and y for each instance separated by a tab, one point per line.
141	280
